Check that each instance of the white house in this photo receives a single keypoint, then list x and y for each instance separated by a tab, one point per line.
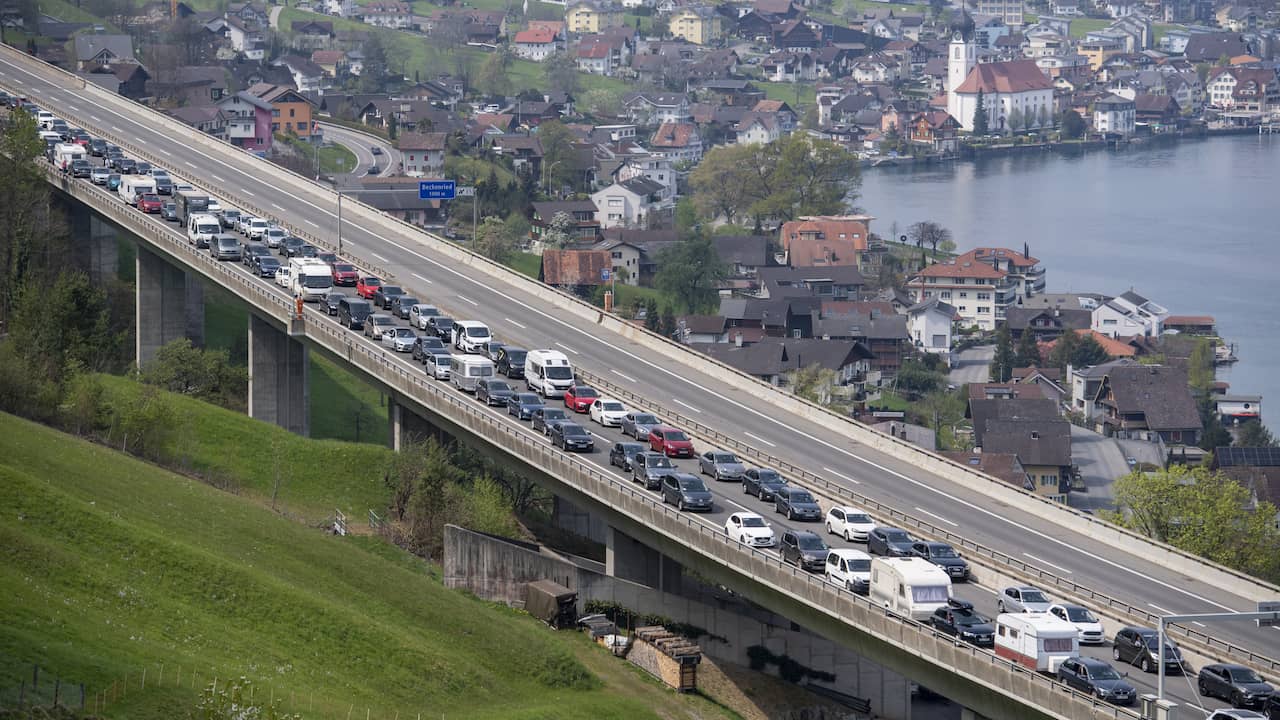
1128	315
385	13
758	129
537	44
929	324
1115	114
655	109
678	142
627	203
1015	90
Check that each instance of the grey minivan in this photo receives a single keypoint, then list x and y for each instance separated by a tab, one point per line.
352	312
225	247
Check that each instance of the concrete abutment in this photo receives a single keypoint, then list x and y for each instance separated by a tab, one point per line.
169	305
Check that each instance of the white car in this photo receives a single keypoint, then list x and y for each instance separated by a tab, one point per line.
214	208
850	523
749	528
273	236
849	568
1090	627
400	339
420	313
608	412
242	225
283	278
256	228
99	176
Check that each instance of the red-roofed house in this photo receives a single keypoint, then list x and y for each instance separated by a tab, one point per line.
1246	89
826	240
595	58
537	44
979	293
1115	348
1023	270
1017	90
677	141
935	128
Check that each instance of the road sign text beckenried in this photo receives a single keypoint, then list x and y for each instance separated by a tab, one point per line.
436	189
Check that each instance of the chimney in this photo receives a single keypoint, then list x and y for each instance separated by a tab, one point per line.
737	339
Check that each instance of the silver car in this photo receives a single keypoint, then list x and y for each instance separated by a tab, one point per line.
721	465
376	323
400	339
638	424
1023	598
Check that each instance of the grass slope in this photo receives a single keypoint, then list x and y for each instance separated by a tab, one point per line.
111	566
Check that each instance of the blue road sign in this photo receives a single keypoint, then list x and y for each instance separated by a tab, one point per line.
604	274
436	189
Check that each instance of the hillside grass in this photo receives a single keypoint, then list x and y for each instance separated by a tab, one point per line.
112	566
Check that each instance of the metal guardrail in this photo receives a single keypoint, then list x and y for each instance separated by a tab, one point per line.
922	640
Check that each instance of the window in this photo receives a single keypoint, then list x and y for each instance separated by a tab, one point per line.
983	309
1057	645
964	294
616	255
275	127
946	294
984	296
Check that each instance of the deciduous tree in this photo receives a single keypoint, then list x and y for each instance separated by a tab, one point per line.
690	271
182	368
928	232
1072	125
494	239
561	73
1028	353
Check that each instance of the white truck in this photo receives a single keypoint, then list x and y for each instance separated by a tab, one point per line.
202	229
548	373
910	586
133	187
312	278
66	153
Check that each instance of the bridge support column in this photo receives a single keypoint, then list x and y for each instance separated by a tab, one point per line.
279	391
404	426
567	516
104	250
169	306
629	559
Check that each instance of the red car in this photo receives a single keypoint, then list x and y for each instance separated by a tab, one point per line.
345	275
367	287
670	442
150	203
579	398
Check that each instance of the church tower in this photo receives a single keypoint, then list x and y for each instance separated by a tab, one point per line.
961	58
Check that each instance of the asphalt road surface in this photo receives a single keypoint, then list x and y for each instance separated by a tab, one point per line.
520	318
362	145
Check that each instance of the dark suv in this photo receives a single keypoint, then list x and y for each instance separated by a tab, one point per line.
510	362
803	549
959	620
1139	645
944	556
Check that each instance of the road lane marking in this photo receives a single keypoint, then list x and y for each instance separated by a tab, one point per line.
166	153
73	107
678	401
379	257
937	517
1197	622
561	345
628	378
757	437
1166	611
522	326
192	165
314	225
218	179
842	476
116	128
95	118
278	207
675	375
246	192
466	299
425	280
1042	561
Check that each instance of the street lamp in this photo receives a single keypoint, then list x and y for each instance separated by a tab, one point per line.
546	175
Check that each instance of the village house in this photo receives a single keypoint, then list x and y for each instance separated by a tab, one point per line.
312	34
744	254
249	121
423	153
290	110
330	62
656	108
1127	315
828	283
826	240
629	203
1024	271
574	270
679	142
579	218
930	324
1015	90
936	130
1141	402
1243	89
1115	115
772	359
537	44
633	253
757	129
97	50
207	119
979	293
525	152
307	76
395	196
388	14
699	24
1043	448
592	16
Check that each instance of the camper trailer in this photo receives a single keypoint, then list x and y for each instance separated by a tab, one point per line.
910	586
466	370
1039	641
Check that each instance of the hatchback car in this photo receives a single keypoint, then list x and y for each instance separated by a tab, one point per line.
420	313
1023	599
385	294
803	549
1139	646
944	556
331	301
721	465
890	541
762	482
441	327
1089	626
376	323
622	454
670	441
521	405
400	305
1238	685
400	339
99	175
608	412
686	492
267	266
428	346
113	181
345	275
253	251
571	437
493	392
368	286
796	503
169	211
288	245
1096	677
579	398
959	620
851	569
849	523
544	417
150	204
749	528
648	468
638	424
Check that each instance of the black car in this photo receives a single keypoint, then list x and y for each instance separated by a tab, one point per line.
142	168
1097	677
400	305
891	541
797	504
571	436
440	326
492	350
292	246
308	251
331	301
762	482
804	550
1272	708
959	620
97	147
621	454
686	492
169	211
164	184
426	347
648	468
385	294
374	169
266	266
253	251
944	556
521	406
1139	646
510	362
544	417
493	392
1237	684
81	169
127	166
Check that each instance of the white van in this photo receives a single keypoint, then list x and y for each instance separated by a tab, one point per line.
548	373
850	569
312	278
910	586
470	336
466	370
66	153
44	118
133	187
1039	641
202	229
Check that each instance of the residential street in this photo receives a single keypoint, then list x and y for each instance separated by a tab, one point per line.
972	365
1101	461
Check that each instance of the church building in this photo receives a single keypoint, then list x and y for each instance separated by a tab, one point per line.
1015	90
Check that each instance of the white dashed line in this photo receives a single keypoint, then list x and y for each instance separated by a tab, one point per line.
192	165
1042	561
1195	622
246	192
278	207
167	153
678	401
561	345
519	325
466	299
628	378
73	107
218	179
95	118
378	256
842	476
759	439
425	280
117	129
314	225
937	517
1166	611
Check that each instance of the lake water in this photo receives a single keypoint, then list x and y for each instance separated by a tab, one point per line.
1193	226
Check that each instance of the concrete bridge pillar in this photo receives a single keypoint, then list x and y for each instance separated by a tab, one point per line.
567	516
629	559
404	426
104	250
279	391
170	305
